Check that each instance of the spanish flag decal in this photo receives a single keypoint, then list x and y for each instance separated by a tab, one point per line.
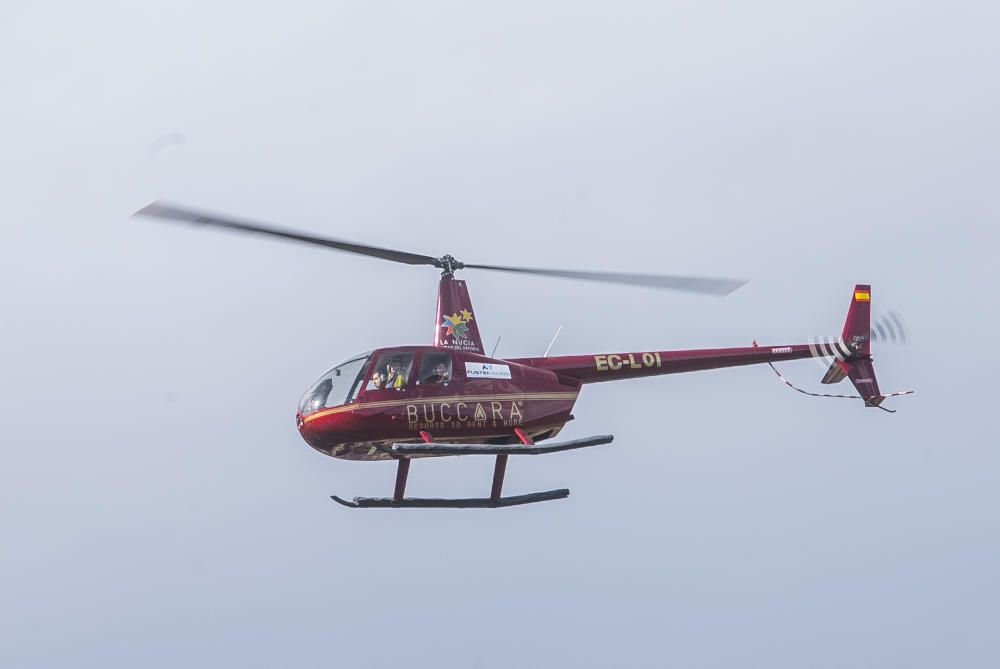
862	296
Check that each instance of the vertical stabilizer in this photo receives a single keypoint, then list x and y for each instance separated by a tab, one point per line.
862	374
456	327
857	327
857	335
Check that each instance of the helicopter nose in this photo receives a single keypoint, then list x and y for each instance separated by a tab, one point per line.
308	430
326	432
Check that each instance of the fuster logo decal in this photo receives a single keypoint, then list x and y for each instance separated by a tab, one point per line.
486	370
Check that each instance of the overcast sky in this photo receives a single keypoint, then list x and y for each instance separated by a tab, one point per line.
159	509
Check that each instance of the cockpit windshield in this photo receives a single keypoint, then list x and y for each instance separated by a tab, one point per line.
338	386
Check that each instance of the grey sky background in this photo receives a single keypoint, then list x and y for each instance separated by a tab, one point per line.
158	508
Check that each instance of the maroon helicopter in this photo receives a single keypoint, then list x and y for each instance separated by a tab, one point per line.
449	398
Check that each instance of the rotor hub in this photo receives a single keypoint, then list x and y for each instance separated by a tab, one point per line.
449	266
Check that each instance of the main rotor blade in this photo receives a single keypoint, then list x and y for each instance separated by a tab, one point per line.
171	212
688	284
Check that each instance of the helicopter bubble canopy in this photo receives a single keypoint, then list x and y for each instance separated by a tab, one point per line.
339	385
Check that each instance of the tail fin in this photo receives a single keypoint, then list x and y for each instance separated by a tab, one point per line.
856	337
854	340
851	355
861	372
858	326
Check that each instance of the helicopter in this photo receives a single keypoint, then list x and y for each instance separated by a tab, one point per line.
449	398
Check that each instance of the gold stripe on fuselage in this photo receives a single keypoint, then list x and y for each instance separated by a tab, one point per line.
452	398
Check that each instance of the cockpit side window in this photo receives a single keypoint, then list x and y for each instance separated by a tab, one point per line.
435	369
391	372
338	386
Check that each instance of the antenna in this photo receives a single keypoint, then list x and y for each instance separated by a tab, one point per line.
554	337
494	351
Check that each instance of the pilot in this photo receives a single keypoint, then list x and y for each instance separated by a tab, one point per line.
395	378
378	380
439	375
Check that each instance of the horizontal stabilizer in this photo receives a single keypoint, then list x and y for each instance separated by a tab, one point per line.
404	450
461	503
835	374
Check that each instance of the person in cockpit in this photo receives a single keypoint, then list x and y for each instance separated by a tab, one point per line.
395	378
439	375
378	380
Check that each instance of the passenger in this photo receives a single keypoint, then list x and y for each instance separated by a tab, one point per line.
395	378
439	375
378	380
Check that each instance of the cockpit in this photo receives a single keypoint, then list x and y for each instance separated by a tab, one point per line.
394	371
338	386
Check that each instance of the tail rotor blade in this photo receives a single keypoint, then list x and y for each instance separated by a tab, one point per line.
898	320
878	333
889	329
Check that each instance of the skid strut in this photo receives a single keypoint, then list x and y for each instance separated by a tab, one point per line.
501	465
403	470
404	452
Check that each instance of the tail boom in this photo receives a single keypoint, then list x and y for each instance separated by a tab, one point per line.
617	366
851	358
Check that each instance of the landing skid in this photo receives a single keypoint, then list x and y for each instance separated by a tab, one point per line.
461	503
431	448
405	452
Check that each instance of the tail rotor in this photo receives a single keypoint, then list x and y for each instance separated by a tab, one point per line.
889	329
851	352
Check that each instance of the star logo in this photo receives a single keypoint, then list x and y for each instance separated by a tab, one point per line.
457	325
